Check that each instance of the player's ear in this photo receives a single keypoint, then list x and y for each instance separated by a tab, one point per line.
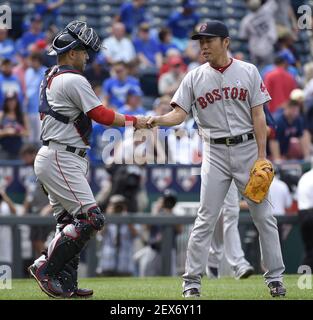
72	54
226	43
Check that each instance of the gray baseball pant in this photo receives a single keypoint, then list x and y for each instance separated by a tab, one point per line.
221	164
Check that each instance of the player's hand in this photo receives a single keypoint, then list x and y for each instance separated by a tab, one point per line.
141	122
152	122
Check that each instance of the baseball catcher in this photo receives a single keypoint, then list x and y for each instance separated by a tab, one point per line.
67	106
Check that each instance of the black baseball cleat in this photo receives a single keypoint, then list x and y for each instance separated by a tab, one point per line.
51	286
277	289
191	293
212	272
83	293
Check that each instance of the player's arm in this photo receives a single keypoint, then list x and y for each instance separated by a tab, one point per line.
259	125
173	118
81	93
109	117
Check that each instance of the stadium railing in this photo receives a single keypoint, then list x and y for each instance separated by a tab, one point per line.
168	233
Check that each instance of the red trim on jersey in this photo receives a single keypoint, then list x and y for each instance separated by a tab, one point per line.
56	158
58	73
102	115
222	69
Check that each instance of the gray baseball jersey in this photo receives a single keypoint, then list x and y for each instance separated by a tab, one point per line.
222	100
69	94
260	29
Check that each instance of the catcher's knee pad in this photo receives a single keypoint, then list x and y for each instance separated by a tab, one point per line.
96	218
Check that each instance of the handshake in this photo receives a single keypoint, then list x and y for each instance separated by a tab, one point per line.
146	122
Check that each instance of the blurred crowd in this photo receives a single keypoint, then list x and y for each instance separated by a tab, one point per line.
140	67
137	72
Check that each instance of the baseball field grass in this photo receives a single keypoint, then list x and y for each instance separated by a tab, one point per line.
164	288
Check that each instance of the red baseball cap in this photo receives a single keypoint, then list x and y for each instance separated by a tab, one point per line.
173	61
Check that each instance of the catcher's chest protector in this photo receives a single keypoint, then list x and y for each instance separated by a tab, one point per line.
82	123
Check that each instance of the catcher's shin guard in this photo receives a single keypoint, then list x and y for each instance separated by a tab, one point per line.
71	270
72	239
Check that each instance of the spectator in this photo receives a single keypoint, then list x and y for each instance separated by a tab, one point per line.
170	81
279	83
290	125
259	28
36	201
132	14
127	180
49	11
308	85
7	45
33	76
181	23
118	47
281	198
147	49
286	40
161	106
166	41
9	83
289	57
7	208
285	16
117	243
50	34
13	127
166	67
97	144
19	70
97	71
133	104
192	51
116	87
40	46
297	95
305	205
308	100
33	34
149	257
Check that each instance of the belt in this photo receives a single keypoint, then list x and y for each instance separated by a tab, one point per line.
231	141
58	146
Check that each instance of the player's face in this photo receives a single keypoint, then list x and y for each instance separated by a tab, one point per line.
213	48
80	59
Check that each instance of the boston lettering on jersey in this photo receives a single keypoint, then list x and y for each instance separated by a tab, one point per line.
227	93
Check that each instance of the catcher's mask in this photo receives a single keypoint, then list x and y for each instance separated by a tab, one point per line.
76	35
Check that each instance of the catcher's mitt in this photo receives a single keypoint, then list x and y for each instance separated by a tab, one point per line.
261	177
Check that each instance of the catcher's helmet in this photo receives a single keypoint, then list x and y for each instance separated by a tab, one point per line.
74	36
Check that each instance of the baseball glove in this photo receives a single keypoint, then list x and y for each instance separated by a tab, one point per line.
261	177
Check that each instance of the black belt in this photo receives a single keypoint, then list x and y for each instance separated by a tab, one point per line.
231	141
82	153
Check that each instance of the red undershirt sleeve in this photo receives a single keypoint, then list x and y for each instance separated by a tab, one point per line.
102	115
